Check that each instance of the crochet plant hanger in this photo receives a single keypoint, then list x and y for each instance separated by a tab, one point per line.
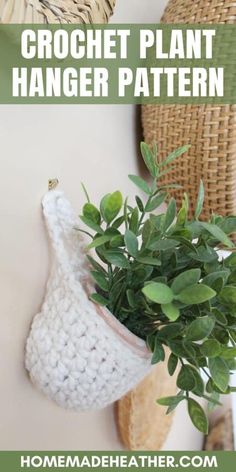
77	352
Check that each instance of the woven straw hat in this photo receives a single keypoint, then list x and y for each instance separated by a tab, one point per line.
55	11
210	129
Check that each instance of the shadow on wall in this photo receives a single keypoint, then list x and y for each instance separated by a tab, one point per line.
142	170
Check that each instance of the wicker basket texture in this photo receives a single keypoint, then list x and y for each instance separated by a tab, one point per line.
143	424
211	130
56	11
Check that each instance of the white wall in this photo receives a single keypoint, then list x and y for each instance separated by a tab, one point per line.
95	144
138	11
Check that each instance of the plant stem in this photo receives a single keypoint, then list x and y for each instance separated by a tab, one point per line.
205	372
144	212
232	341
85	232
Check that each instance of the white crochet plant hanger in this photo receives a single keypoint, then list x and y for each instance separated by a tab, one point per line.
78	353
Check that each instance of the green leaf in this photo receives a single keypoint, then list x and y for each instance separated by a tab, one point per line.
173	155
149	159
111	231
139	203
219	372
99	241
220	317
228	353
232	277
183	212
163	244
200	200
157	221
231	364
170	214
172	364
171	408
230	261
165	172
211	348
185	242
151	339
218	234
213	400
92	213
117	241
91	224
196	294
140	183
228	225
95	297
131	242
134	221
155	202
183	280
85	192
221	335
228	295
178	349
170	401
171	311
160	278
206	255
199	384
100	280
111	205
95	264
158	293
149	260
197	416
233	335
170	331
200	328
170	186
155	150
210	386
118	222
131	298
213	276
117	259
158	353
190	348
103	204
147	232
141	273
185	379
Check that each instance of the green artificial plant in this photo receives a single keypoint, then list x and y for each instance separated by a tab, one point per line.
161	275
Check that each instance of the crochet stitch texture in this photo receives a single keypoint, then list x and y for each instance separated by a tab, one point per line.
77	353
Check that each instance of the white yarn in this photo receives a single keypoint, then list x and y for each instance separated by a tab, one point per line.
78	354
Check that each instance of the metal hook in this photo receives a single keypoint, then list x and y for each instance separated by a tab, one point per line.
52	184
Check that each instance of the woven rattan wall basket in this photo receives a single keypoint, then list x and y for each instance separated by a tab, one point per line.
211	130
55	11
143	424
